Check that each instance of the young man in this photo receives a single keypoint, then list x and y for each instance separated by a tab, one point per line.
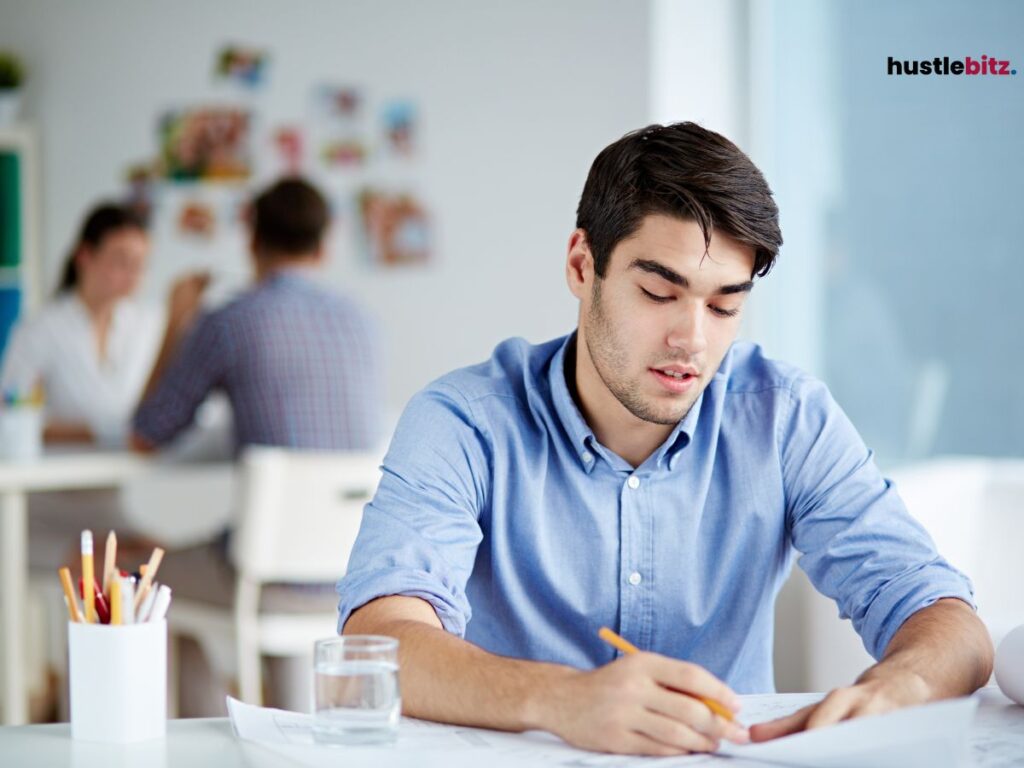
651	474
299	363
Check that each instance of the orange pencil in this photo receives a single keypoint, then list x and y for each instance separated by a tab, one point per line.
115	601
69	594
148	576
109	557
625	646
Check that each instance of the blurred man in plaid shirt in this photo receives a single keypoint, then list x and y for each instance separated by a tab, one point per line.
298	362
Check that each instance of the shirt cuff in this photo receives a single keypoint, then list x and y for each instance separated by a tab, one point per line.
907	594
356	590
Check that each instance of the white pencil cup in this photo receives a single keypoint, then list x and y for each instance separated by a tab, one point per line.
118	681
21	433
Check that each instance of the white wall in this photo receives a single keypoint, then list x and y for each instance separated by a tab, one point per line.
515	98
699	63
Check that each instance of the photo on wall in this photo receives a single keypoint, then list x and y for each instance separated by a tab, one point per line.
206	144
241	65
394	228
337	117
400	128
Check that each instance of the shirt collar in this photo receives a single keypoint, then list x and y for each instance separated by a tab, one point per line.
580	434
293	273
668	453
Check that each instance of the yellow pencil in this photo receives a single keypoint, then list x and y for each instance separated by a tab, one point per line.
625	646
109	558
69	594
115	601
88	578
148	576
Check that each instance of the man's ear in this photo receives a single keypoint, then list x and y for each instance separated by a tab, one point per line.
579	265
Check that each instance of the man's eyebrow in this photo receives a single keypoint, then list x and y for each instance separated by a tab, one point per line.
654	268
735	288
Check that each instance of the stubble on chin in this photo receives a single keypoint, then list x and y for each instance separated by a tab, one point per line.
610	358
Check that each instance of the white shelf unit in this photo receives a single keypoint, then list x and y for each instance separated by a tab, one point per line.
20	139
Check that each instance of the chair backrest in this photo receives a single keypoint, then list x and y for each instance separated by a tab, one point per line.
974	509
299	512
180	504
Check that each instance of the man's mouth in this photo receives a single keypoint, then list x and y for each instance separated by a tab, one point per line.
676	378
674	374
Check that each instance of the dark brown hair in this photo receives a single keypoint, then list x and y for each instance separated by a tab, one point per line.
680	170
101	221
288	219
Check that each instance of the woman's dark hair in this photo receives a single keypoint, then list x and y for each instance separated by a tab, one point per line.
288	219
680	170
101	221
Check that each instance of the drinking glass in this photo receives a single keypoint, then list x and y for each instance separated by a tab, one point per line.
356	696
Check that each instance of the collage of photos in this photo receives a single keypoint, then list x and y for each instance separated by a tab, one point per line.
347	139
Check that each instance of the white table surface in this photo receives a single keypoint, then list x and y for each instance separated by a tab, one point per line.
997	742
189	744
58	471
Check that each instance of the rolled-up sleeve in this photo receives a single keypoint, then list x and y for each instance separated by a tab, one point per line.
859	545
419	535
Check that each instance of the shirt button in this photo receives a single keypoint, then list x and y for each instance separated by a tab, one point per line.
633	482
587	457
635	578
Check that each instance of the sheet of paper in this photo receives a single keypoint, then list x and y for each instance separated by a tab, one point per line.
424	745
935	735
997	738
769	706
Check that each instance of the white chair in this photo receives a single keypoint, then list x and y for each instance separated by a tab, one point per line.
298	516
972	508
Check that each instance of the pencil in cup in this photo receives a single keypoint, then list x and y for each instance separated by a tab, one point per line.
147	578
625	646
69	595
88	593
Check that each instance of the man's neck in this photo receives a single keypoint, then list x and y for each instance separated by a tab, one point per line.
268	266
613	425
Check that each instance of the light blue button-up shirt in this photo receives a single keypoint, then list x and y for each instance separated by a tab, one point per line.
499	507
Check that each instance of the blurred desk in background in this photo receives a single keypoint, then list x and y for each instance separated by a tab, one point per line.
161	483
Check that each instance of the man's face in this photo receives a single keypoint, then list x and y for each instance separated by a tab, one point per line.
657	326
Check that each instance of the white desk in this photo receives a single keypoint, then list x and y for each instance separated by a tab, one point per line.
192	743
51	472
17	480
999	727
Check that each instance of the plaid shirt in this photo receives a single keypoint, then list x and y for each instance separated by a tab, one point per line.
298	363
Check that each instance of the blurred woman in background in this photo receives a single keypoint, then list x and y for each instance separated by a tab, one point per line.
92	347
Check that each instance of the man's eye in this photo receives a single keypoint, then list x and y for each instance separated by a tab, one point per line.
655	297
723	312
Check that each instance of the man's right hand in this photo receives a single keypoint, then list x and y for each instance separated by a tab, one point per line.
642	704
185	299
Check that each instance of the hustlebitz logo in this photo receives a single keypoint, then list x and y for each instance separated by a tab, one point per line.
986	65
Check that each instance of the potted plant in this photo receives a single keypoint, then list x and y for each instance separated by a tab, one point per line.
11	76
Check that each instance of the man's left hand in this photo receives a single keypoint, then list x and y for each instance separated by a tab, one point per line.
877	692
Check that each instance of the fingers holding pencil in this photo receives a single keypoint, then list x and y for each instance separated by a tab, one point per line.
685	678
